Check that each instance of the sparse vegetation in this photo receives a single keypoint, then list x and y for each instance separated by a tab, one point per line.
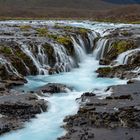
125	33
104	70
5	50
65	40
123	45
53	36
82	30
25	27
42	32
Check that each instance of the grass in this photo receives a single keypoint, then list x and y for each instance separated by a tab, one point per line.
42	32
5	50
25	27
64	40
123	45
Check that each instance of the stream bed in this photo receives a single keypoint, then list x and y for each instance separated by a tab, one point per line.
47	126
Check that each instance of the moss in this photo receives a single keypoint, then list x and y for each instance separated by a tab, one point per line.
48	48
26	59
68	27
5	50
123	45
4	75
42	32
126	33
57	26
83	30
104	70
25	27
52	36
64	40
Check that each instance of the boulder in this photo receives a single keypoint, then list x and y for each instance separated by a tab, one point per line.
16	108
54	88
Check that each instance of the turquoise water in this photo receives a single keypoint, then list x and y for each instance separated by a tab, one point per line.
47	125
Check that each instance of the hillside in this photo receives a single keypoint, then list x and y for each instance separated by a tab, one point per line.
124	1
69	8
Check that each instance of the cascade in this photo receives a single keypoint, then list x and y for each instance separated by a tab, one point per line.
81	43
41	56
79	50
27	50
9	67
99	50
64	62
92	35
123	57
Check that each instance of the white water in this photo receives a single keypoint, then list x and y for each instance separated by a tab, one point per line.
9	67
64	62
79	51
99	49
27	50
47	125
123	57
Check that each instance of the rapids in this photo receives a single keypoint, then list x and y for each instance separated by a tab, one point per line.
47	125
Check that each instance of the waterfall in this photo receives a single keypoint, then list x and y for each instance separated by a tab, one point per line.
123	57
55	57
41	56
64	62
81	42
79	50
99	50
92	35
27	50
9	67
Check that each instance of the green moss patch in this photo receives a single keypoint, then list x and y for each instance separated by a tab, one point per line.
5	50
25	27
123	45
42	32
64	40
104	70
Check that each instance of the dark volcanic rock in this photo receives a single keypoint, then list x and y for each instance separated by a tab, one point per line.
113	118
121	71
17	108
54	88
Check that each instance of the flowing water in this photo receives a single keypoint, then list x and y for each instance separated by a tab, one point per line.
123	57
47	125
83	79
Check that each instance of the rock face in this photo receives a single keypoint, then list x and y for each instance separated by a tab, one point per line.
16	108
54	88
32	49
120	52
121	71
115	117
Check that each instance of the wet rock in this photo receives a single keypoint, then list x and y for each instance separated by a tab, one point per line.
113	117
104	62
18	108
54	88
121	71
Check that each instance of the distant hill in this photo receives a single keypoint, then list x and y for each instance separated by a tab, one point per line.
68	8
124	1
